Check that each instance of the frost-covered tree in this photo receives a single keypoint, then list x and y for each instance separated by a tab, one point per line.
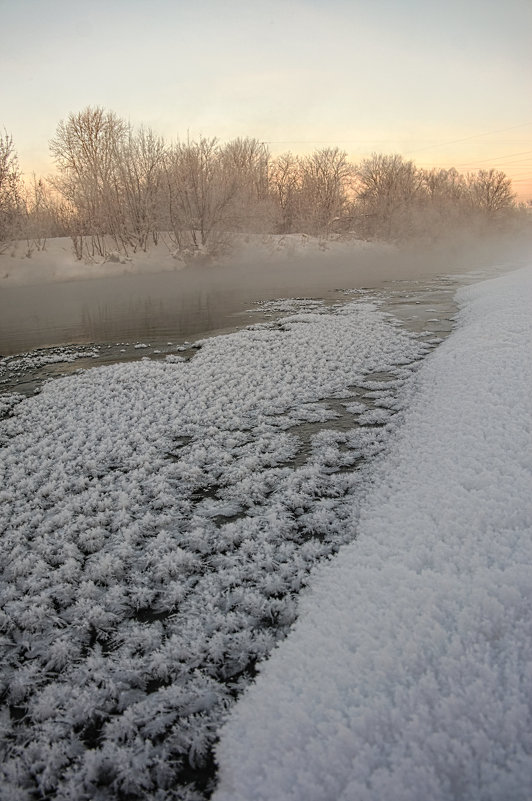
247	160
490	191
120	187
285	186
442	202
325	184
442	188
140	171
86	150
11	204
202	189
387	193
43	214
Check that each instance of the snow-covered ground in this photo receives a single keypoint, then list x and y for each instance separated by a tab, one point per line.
408	675
55	260
23	263
158	521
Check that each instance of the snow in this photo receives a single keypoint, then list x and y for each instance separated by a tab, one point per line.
22	264
408	675
56	261
21	363
159	519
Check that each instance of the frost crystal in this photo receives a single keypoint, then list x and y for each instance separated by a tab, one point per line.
159	519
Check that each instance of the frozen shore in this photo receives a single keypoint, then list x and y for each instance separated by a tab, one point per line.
159	519
22	263
407	675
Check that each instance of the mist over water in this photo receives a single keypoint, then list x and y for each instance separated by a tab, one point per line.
203	299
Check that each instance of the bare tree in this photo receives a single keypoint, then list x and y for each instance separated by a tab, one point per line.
443	203
387	193
443	187
202	189
11	203
247	161
123	186
490	191
325	184
86	151
140	169
285	187
249	158
42	215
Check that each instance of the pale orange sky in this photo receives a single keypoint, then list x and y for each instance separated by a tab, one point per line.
445	84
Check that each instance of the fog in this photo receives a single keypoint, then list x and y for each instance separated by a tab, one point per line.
208	298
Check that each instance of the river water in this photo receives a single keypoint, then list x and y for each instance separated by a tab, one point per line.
55	328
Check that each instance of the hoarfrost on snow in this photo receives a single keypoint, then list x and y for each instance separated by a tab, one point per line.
8	401
57	355
408	676
159	520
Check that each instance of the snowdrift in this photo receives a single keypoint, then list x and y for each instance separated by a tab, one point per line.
408	674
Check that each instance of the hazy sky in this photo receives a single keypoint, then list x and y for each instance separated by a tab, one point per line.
405	76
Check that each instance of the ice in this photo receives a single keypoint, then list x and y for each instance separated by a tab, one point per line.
156	532
8	401
39	358
407	675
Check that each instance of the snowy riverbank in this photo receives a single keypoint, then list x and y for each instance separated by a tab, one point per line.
159	519
407	676
22	263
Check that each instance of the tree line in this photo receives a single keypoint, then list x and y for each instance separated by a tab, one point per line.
117	188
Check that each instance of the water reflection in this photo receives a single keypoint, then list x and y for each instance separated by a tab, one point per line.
112	309
196	301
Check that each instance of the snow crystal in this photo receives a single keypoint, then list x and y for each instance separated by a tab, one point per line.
174	358
39	358
8	401
158	520
407	676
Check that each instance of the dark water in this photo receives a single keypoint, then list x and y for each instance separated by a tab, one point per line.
111	310
130	317
197	300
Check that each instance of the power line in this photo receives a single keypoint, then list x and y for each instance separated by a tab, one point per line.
495	158
469	138
324	141
383	141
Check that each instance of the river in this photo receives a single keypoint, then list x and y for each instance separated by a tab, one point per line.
105	320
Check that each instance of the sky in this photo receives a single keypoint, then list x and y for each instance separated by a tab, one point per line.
442	83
